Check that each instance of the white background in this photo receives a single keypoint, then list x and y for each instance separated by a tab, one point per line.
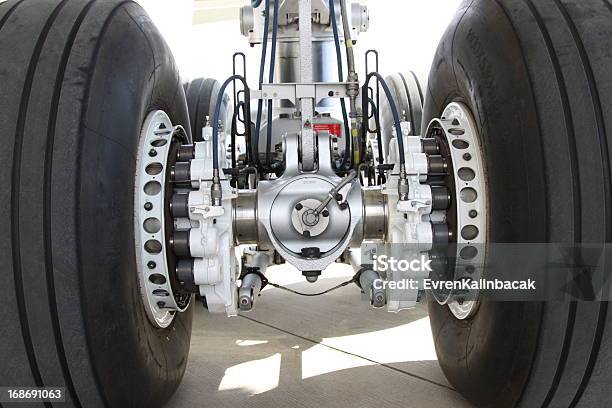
405	32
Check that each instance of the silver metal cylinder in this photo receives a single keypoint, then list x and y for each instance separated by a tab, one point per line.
323	66
375	210
245	218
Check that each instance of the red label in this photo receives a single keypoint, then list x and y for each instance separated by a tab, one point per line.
334	129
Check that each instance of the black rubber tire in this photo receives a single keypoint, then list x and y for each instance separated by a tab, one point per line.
536	76
202	94
78	79
408	96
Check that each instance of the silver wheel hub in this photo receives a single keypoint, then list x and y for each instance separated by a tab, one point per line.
154	260
468	216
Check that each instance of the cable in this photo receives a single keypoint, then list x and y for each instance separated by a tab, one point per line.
295	292
262	67
347	130
235	119
393	106
255	3
350	56
381	155
271	80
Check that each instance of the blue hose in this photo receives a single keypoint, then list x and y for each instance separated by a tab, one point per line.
256	3
262	67
332	15
393	106
270	80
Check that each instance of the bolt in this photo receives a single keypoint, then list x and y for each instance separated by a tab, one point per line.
473	213
467	157
331	93
469	269
338	197
151	265
306	234
299	206
148	206
152	152
325	213
343	206
161	305
378	299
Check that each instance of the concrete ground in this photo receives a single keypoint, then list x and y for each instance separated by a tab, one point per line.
329	351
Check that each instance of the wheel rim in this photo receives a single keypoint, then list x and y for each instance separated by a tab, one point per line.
155	262
468	218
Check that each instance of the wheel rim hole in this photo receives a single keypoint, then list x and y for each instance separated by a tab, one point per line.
456	131
157	279
468	252
466	174
460	144
152	188
469	232
161	292
153	246
159	142
154	169
152	225
468	195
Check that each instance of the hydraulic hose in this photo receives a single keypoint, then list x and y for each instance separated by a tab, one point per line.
347	130
352	87
256	3
270	80
262	67
215	135
396	116
348	42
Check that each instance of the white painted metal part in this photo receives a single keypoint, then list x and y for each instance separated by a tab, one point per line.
408	221
471	194
211	240
149	220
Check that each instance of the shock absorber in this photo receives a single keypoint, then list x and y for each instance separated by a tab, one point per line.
255	264
249	290
376	294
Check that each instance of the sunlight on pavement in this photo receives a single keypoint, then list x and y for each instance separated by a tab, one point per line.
253	377
247	343
382	346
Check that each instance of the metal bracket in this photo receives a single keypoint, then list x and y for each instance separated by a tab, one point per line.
294	92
